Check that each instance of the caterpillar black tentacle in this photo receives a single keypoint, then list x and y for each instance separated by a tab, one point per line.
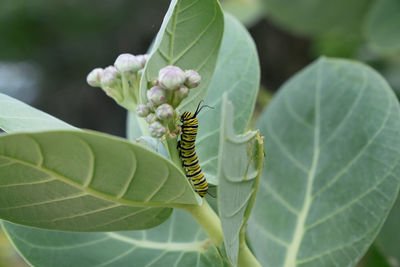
187	150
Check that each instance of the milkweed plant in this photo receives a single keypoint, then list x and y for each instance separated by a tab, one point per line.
312	187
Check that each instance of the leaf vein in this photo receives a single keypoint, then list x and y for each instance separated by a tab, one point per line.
356	157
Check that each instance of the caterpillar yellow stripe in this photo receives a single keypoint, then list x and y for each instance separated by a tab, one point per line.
187	151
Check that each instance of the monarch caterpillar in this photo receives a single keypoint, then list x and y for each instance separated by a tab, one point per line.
187	150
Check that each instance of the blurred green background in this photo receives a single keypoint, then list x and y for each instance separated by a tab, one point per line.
48	47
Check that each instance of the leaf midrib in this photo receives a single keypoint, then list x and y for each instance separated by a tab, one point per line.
294	247
88	190
170	246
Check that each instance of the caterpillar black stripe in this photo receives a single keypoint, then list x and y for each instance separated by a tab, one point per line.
187	151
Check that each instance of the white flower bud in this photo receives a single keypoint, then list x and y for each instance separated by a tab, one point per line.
142	59
157	129
151	107
109	77
164	112
94	77
142	110
192	78
183	92
151	118
127	63
156	95
171	77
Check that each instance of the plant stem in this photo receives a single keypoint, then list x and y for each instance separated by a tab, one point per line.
246	258
208	220
171	146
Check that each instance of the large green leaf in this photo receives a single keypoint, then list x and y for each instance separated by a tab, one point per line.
316	17
86	181
177	242
190	38
383	24
16	116
237	179
237	74
332	145
78	249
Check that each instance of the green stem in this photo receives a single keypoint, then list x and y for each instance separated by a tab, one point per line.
208	220
246	258
171	145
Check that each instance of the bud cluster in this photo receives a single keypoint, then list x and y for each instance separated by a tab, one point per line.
120	81
169	89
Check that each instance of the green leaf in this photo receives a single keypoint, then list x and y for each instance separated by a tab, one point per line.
177	242
316	17
74	249
332	145
237	179
190	40
31	119
86	181
388	239
383	24
135	126
16	116
247	11
238	74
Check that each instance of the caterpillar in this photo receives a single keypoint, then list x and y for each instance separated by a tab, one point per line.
187	150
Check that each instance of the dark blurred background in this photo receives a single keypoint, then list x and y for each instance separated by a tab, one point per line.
48	47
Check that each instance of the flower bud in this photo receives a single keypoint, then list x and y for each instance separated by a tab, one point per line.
192	78
171	77
142	59
151	118
94	77
142	110
157	129
183	92
151	107
164	111
156	95
154	82
109	77
127	63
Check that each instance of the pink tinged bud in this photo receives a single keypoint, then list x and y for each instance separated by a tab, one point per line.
94	77
157	129
151	118
142	110
109	77
171	77
183	92
127	63
151	107
156	95
192	78
164	112
154	82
